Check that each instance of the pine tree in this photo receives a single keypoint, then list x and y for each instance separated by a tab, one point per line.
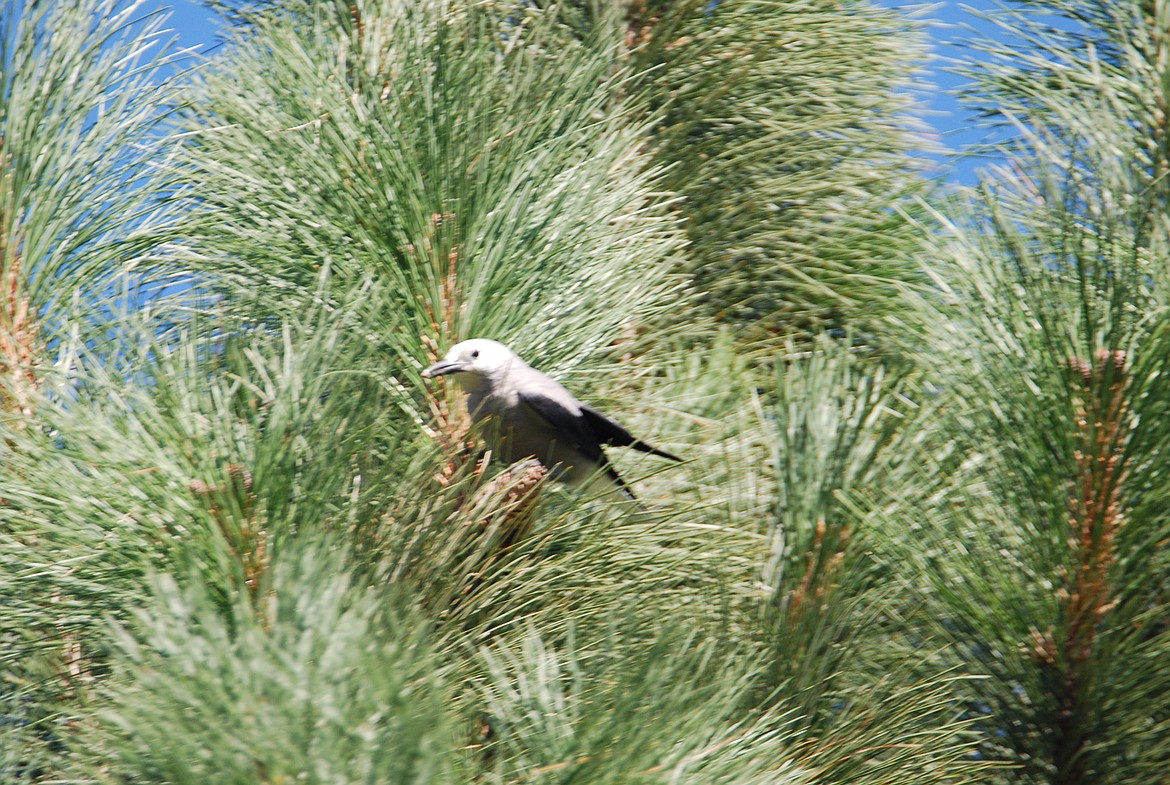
1044	550
244	541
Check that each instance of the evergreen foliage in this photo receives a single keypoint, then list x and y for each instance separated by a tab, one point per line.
1051	347
242	540
787	129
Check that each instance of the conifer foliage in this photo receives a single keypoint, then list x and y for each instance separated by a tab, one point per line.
918	535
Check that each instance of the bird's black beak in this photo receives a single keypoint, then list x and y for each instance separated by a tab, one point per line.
442	368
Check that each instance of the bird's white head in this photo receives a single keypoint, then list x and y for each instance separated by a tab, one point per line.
478	357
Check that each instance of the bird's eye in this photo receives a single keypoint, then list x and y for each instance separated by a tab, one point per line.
475	355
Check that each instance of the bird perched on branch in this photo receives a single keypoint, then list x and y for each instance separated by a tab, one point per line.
528	414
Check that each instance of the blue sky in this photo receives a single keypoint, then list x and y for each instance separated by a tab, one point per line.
949	23
195	25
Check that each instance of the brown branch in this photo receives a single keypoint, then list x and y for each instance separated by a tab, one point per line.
453	428
247	537
19	349
1096	516
822	561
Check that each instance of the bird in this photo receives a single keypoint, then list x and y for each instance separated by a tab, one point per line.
528	414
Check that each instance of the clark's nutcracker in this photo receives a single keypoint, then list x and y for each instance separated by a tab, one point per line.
530	415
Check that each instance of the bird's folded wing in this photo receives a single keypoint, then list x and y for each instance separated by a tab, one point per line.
609	432
569	425
573	428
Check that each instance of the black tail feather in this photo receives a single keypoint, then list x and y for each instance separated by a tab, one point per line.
611	433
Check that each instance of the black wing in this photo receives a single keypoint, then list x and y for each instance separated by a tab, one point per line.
566	423
576	428
609	432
